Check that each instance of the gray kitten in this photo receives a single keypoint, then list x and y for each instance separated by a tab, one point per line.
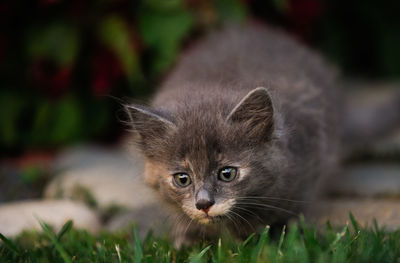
239	133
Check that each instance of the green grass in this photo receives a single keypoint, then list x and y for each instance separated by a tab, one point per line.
298	243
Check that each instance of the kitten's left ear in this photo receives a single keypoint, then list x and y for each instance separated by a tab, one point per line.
149	126
255	114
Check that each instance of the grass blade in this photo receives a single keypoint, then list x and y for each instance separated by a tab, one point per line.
138	246
53	238
10	245
117	248
281	239
197	258
354	222
66	227
257	251
219	251
338	238
248	239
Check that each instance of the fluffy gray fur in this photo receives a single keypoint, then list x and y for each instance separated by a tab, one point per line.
248	97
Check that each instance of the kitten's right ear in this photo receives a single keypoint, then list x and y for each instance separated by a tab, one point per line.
255	114
149	126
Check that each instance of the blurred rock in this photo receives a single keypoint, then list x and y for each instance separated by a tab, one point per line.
150	217
83	156
100	177
372	123
388	147
386	212
25	176
365	180
365	93
12	186
18	216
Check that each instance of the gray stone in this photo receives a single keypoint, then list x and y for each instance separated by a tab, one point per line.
18	216
83	156
363	93
388	146
150	217
372	118
386	212
365	180
110	177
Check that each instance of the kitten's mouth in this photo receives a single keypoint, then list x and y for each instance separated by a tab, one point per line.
217	213
208	220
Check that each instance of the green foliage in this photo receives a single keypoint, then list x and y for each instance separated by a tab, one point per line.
58	41
302	243
231	10
362	37
60	121
114	33
163	28
12	107
71	59
31	174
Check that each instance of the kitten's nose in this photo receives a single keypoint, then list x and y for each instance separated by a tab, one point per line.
204	200
204	204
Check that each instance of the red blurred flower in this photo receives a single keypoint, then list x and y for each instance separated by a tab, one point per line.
303	14
48	2
106	70
50	78
40	159
77	8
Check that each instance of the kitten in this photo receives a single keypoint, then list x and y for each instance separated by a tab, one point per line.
239	133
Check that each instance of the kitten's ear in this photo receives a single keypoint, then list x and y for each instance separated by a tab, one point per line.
255	114
149	126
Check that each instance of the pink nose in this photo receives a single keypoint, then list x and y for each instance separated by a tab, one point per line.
204	205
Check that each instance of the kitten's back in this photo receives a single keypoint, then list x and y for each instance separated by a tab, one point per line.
241	57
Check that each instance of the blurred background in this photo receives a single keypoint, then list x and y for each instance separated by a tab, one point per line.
65	66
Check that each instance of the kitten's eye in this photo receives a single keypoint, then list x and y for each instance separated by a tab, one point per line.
182	179
227	174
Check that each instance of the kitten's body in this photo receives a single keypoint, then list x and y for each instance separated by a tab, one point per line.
208	115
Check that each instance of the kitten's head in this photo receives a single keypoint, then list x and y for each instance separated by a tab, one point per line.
207	160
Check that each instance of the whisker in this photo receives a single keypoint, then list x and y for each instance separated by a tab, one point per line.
233	221
178	221
187	228
249	212
272	207
270	198
244	219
